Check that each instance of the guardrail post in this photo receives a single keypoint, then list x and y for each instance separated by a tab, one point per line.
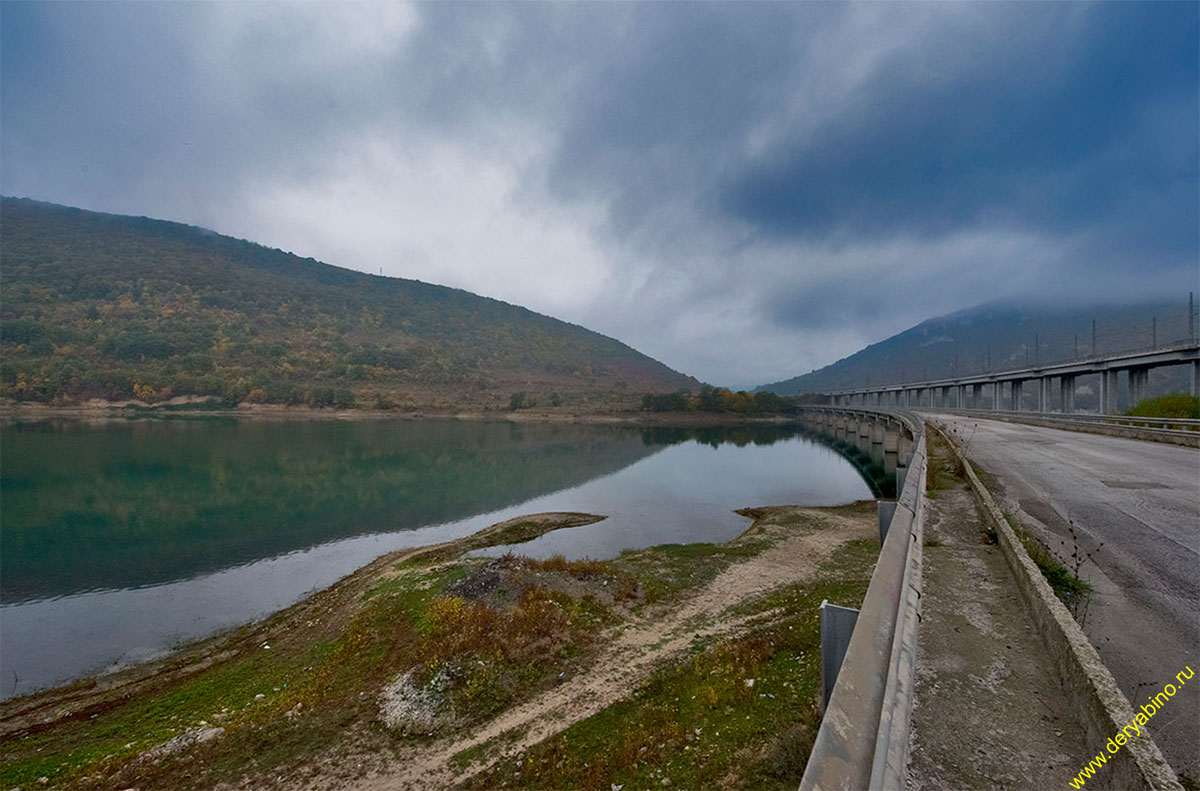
837	626
886	510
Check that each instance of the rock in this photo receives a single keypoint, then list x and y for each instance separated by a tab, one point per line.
406	708
183	741
259	696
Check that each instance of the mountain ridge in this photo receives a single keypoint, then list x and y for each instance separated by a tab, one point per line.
115	306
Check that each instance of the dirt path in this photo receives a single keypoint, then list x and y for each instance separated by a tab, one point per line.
989	712
628	657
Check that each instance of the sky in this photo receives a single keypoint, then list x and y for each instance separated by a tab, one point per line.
744	191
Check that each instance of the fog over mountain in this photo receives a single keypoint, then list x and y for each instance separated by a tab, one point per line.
1004	335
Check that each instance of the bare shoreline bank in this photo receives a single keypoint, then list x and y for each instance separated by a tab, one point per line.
19	412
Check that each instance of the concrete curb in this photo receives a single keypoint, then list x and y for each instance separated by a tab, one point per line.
1102	708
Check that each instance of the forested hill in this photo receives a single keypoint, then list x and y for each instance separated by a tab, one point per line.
1002	335
100	305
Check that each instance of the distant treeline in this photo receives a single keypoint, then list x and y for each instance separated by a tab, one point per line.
718	399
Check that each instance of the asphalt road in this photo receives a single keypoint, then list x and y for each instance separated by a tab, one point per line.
1141	501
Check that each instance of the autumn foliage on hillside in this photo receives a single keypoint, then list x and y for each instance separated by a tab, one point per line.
718	399
97	305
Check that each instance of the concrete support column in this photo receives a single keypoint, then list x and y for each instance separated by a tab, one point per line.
1108	392
1139	378
976	396
1196	378
995	396
1066	386
1015	394
1044	394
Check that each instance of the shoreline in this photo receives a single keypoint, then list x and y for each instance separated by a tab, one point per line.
71	698
24	412
150	725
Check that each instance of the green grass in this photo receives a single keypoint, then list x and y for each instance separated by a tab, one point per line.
1066	586
944	469
497	656
669	570
698	722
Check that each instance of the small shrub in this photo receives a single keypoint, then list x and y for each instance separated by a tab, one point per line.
521	400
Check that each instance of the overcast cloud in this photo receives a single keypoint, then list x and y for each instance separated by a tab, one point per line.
743	191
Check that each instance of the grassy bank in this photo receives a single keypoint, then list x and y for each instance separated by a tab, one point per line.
294	685
420	648
736	713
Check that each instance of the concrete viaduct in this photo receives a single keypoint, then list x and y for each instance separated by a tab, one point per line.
965	392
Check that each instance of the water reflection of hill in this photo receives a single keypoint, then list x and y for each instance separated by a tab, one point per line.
132	504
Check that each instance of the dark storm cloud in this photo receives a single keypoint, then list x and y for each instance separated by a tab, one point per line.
1061	128
742	190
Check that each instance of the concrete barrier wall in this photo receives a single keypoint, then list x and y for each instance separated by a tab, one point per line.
863	741
1101	706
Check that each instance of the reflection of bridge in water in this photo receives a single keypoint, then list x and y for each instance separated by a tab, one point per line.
873	441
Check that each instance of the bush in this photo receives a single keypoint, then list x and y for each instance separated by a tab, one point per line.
665	402
1171	405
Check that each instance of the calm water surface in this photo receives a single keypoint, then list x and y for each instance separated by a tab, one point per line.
120	540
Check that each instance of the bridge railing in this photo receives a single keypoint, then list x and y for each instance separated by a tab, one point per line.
1037	369
1180	431
863	741
1162	423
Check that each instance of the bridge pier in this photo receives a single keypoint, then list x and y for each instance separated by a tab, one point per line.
1108	392
1139	378
1066	386
1014	389
1196	377
1044	394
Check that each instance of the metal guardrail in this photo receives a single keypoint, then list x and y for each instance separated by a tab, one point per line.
863	741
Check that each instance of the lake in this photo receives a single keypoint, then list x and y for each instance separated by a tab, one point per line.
121	539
